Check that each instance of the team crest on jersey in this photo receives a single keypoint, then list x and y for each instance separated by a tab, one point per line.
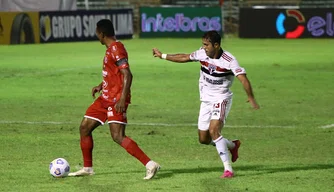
212	68
110	112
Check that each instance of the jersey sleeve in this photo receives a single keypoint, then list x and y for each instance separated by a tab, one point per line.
236	69
197	55
120	57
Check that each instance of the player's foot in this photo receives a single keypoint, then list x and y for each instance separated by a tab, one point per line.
82	172
234	151
227	174
151	169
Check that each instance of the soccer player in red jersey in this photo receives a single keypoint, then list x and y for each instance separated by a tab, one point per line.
112	104
218	70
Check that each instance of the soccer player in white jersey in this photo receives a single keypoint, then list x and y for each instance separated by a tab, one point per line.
218	69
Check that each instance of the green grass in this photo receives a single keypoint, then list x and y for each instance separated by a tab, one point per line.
283	148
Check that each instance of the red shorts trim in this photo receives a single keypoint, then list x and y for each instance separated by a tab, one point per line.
102	111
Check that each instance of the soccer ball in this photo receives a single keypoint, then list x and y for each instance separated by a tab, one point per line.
59	167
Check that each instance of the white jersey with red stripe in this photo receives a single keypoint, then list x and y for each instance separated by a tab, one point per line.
216	75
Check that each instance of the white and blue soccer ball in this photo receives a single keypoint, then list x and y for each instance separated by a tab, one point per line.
59	167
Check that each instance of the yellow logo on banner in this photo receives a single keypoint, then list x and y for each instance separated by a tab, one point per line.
45	27
19	28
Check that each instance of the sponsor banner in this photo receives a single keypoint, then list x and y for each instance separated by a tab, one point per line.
179	21
19	28
68	26
286	23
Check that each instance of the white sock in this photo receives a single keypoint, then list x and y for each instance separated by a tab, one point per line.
223	152
230	144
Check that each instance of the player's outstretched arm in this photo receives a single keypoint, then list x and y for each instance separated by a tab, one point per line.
248	88
178	58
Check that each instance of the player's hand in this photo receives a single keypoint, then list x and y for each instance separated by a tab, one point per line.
253	103
120	106
96	89
156	53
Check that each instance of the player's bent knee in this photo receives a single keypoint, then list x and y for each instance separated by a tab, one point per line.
87	126
214	133
117	132
84	130
204	141
118	138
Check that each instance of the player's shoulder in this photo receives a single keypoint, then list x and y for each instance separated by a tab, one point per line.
228	57
199	53
116	47
117	50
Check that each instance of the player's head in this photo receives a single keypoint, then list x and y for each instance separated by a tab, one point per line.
211	42
104	29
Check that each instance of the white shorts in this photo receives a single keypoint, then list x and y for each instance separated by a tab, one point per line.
213	111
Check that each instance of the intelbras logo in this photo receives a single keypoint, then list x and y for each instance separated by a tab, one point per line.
179	23
80	26
317	26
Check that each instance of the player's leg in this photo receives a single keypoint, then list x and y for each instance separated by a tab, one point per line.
86	143
219	112
204	118
117	124
118	135
204	136
93	118
221	146
203	124
233	145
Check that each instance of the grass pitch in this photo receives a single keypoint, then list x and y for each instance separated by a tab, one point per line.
45	90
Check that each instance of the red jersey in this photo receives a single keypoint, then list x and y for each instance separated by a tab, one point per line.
116	58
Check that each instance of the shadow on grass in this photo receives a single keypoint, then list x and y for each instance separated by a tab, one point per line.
267	169
254	169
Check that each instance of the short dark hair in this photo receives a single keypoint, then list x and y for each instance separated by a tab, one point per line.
212	36
106	27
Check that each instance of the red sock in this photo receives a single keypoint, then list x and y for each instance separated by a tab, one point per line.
87	144
132	148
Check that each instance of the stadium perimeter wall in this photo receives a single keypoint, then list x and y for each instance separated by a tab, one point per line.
163	21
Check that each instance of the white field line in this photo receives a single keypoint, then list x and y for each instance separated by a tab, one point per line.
60	70
327	126
144	124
